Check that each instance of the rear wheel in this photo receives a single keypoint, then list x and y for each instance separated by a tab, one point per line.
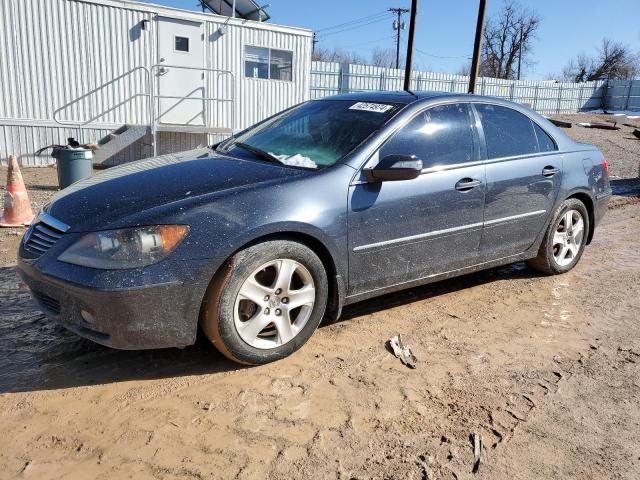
564	240
266	302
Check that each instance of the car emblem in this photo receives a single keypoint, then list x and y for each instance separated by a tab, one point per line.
274	302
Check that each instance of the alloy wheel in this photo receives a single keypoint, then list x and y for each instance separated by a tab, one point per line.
274	303
568	237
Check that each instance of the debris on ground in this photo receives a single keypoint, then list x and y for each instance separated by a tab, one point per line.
560	123
402	351
636	133
603	126
477	451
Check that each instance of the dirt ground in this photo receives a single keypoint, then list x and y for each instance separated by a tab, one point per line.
620	148
545	369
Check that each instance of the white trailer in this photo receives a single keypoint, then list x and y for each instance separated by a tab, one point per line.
139	78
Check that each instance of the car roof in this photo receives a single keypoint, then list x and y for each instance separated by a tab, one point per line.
407	98
399	96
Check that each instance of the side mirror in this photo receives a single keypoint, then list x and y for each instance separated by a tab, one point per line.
395	167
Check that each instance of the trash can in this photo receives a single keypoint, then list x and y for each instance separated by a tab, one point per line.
74	164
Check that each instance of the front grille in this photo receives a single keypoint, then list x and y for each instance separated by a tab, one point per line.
43	234
50	304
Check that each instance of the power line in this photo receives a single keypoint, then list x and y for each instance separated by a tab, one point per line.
388	37
354	21
352	27
441	56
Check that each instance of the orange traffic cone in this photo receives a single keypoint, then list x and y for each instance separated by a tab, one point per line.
17	210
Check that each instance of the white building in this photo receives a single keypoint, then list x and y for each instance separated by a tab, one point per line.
122	73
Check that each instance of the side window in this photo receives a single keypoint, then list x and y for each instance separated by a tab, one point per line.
439	136
506	132
256	62
545	141
268	63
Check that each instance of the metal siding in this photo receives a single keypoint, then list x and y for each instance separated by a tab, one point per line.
23	140
54	51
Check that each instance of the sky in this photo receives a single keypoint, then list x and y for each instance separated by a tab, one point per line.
445	28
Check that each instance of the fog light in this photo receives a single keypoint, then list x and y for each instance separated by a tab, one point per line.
87	317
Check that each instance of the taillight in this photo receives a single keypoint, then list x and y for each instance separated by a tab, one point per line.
605	166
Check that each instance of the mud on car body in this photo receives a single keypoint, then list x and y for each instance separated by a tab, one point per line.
327	203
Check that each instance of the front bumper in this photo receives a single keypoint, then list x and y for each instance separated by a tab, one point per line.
154	315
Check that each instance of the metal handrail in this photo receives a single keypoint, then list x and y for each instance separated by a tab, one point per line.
152	98
93	118
157	97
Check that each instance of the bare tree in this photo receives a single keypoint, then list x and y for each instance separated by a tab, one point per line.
613	60
337	55
465	69
385	57
507	41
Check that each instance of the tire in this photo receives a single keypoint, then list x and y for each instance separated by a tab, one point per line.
253	315
551	259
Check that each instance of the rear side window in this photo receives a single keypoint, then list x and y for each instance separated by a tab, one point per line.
438	136
507	132
545	142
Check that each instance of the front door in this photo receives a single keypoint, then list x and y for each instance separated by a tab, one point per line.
401	231
524	172
180	78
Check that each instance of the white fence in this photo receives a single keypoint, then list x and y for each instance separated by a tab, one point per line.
623	95
548	97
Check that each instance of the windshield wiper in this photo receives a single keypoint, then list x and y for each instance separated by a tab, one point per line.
257	152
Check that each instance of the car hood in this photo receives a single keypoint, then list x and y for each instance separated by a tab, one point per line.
121	193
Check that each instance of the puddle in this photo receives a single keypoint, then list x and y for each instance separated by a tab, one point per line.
558	314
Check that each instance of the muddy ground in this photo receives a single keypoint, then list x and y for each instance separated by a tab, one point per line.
545	369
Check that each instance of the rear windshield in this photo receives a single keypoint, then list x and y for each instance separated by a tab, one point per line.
315	134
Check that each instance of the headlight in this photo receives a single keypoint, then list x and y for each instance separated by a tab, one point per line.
126	248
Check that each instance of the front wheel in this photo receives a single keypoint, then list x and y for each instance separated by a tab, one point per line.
564	240
266	302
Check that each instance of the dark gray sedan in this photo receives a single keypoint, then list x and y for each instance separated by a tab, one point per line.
327	203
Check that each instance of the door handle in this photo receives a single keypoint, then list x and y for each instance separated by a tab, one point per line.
549	171
466	184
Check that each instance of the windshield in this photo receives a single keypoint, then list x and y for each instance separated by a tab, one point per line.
313	135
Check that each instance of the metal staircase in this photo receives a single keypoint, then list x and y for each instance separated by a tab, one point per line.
116	141
128	134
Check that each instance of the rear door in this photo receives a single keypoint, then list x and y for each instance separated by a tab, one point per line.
524	171
401	231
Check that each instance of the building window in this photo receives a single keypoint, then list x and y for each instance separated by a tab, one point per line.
268	63
181	44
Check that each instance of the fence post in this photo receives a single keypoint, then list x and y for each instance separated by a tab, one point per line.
580	97
605	96
343	78
535	97
626	107
513	85
559	98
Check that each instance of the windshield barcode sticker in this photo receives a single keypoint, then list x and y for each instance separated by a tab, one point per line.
371	107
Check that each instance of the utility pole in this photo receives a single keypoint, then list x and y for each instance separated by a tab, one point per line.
398	25
314	41
412	31
475	63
